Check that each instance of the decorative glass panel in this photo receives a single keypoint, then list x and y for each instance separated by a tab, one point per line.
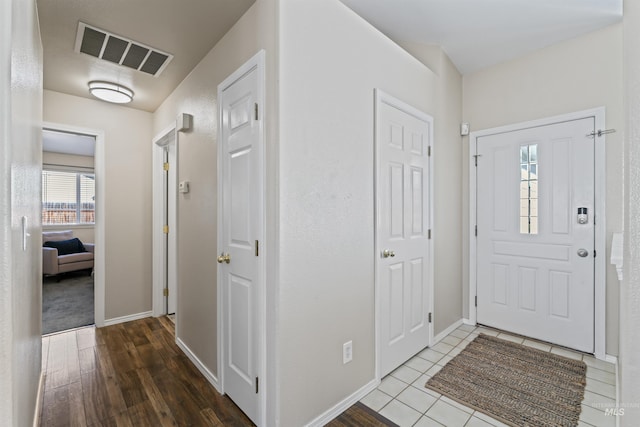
529	189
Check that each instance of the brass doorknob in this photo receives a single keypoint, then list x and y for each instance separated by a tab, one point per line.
387	253
224	258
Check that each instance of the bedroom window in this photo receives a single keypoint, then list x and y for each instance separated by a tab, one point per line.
68	198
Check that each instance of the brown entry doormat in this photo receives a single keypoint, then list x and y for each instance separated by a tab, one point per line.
515	384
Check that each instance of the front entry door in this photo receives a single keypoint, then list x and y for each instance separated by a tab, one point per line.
535	232
403	139
241	229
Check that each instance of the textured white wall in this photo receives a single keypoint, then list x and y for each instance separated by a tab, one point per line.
629	379
556	80
127	180
449	173
197	163
330	62
20	161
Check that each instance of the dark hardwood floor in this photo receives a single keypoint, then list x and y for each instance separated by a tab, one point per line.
361	415
133	374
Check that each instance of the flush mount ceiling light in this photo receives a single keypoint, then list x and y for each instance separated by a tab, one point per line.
111	92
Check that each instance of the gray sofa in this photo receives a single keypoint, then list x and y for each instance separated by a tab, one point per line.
53	263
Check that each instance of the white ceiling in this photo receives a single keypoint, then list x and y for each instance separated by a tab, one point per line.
187	29
474	33
478	33
68	143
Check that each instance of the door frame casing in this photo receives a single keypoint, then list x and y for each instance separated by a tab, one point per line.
258	61
159	308
382	97
99	167
600	232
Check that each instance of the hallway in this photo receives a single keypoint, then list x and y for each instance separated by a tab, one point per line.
130	374
133	374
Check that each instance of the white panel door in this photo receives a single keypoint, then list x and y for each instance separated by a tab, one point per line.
403	138
535	254
241	229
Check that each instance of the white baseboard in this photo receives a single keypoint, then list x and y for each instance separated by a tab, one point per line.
201	367
468	322
39	397
128	318
446	332
342	406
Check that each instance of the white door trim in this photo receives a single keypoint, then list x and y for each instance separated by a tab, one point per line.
600	227
257	62
382	97
99	227
166	136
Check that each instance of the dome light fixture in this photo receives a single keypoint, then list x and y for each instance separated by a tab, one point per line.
111	92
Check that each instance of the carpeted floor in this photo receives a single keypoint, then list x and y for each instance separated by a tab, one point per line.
515	384
67	304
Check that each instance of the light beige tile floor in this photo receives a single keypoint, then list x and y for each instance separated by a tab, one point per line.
403	398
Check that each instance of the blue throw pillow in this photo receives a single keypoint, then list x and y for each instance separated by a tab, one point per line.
66	247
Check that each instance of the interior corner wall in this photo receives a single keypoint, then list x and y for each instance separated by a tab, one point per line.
330	63
579	74
449	173
629	359
20	212
197	163
127	179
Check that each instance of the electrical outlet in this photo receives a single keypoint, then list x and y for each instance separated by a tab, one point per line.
347	352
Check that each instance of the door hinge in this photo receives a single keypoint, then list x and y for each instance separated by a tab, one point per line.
475	159
165	229
476	230
165	292
429	151
257	382
430	317
257	248
429	234
476	300
594	253
165	166
255	107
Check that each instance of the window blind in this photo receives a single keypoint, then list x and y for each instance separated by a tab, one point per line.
68	198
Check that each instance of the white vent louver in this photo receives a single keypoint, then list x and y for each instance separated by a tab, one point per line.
119	50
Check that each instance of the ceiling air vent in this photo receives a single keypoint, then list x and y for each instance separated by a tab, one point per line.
119	50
